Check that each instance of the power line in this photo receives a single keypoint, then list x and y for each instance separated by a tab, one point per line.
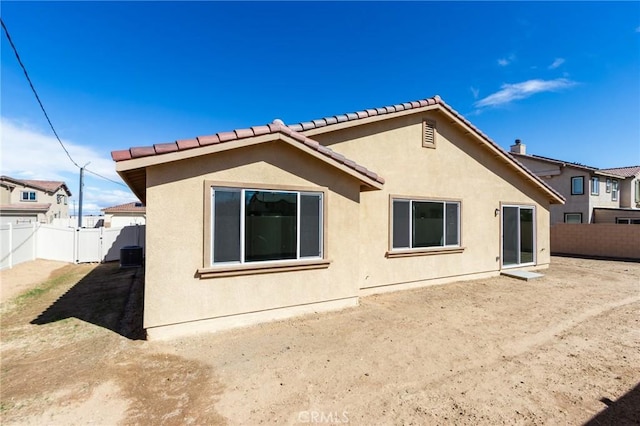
104	177
6	31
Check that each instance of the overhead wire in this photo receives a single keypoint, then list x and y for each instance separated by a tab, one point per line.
104	177
33	89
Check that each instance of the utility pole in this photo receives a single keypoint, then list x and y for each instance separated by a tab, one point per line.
80	196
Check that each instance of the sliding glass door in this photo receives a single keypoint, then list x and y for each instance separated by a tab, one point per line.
518	235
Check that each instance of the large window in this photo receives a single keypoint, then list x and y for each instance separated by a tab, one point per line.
28	196
251	225
420	224
577	185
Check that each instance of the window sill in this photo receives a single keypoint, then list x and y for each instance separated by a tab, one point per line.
424	252
252	269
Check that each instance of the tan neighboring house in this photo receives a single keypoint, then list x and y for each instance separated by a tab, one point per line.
278	220
124	215
629	210
32	201
592	195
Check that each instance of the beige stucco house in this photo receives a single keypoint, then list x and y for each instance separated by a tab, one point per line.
280	220
128	214
592	195
32	201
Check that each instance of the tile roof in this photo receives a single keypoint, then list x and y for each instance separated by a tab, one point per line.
276	127
297	132
615	172
30	207
371	112
132	207
629	171
556	161
43	185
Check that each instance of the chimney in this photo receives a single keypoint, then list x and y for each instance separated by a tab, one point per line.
519	147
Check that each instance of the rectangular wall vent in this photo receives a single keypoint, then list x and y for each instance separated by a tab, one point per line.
429	134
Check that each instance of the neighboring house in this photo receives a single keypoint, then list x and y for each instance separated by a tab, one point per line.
273	221
29	201
124	215
591	195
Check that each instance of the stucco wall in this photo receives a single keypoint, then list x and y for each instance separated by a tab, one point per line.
357	223
57	210
124	219
596	239
627	193
174	294
459	168
610	215
5	195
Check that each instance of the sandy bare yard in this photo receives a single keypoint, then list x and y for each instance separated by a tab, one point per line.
564	349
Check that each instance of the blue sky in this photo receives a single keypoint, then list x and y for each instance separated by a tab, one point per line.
563	77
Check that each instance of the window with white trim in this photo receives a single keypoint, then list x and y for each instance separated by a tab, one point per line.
251	225
614	190
573	218
595	185
628	221
608	185
28	196
425	223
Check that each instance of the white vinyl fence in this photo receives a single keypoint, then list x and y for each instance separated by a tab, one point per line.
21	243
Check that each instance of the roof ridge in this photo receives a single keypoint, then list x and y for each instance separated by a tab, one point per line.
365	113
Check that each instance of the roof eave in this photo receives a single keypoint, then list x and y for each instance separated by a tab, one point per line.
127	168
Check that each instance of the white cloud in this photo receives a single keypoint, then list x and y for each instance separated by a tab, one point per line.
475	92
503	62
556	63
512	92
28	153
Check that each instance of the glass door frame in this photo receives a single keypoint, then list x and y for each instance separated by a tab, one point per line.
518	264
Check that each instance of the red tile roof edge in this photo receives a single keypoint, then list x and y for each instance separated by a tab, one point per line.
43	185
370	112
276	127
296	129
126	208
40	207
628	171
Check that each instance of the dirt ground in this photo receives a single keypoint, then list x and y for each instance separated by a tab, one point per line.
25	276
563	349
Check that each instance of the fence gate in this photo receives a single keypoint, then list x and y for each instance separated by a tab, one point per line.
22	243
